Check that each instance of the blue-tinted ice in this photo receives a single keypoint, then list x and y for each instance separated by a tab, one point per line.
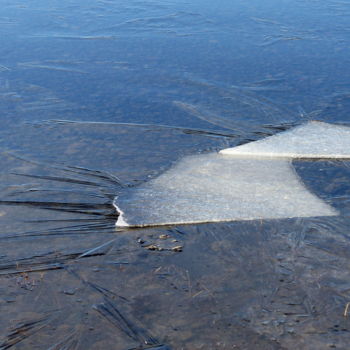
253	181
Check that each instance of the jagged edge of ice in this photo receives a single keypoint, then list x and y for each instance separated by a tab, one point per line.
121	222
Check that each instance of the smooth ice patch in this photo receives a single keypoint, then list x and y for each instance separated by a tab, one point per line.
212	187
248	182
311	140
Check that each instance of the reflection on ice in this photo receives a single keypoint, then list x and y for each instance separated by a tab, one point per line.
258	182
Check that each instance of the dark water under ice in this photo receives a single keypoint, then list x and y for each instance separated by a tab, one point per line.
99	95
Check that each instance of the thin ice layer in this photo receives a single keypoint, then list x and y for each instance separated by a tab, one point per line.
310	140
214	187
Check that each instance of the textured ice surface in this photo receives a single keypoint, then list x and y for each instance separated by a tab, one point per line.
213	187
311	140
252	181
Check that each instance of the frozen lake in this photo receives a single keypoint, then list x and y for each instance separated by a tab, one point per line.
98	98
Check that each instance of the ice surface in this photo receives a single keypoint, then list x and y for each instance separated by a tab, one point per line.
248	182
311	140
213	187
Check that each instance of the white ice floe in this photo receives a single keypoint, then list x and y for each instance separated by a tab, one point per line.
248	182
311	140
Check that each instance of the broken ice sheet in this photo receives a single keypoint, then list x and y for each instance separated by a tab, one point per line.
311	140
248	182
213	187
